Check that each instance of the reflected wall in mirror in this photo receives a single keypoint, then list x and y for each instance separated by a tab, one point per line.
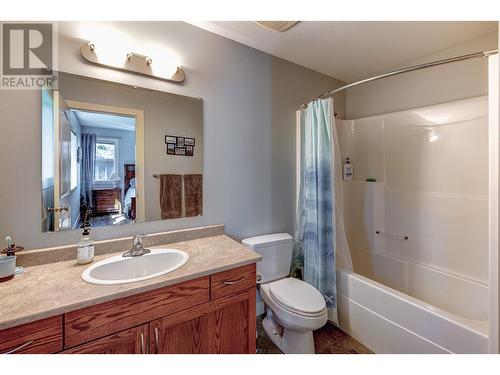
113	154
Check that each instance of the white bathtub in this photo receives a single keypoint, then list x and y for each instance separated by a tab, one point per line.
427	293
432	312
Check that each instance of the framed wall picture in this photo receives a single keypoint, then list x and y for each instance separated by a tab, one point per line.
180	146
170	149
170	139
189	141
180	151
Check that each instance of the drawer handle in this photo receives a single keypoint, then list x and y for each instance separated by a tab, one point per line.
157	340
21	347
143	350
231	282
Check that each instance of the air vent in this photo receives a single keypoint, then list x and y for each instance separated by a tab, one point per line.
277	26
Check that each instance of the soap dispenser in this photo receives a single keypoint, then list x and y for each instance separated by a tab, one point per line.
348	170
85	247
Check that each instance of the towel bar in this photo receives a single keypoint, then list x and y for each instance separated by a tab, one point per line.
390	235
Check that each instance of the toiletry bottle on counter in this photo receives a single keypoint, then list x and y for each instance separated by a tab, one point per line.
348	170
85	248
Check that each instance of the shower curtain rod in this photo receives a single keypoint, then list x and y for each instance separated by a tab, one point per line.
408	69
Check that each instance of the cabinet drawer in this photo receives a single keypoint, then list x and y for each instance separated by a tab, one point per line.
231	281
102	320
40	337
107	200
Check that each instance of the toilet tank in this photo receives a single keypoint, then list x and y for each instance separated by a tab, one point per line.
276	252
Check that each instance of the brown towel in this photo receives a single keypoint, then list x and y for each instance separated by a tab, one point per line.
170	196
193	194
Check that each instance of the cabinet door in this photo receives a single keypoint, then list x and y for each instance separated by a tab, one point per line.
183	338
225	326
130	341
229	330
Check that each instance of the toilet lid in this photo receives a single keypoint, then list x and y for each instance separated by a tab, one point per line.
297	296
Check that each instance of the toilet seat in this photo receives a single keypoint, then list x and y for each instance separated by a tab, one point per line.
286	312
297	296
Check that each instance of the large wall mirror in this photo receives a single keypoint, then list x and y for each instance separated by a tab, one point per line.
113	154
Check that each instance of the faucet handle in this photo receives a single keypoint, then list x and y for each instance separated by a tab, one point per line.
11	247
138	238
137	248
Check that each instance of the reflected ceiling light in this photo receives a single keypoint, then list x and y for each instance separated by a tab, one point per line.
132	62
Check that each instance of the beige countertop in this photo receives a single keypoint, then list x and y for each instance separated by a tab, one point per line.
56	288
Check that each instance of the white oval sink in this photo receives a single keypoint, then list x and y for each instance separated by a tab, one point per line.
120	270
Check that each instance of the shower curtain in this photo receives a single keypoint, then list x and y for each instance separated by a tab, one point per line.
320	244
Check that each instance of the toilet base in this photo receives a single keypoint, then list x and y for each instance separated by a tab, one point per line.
288	341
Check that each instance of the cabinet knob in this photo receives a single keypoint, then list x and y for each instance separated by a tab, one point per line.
157	340
20	347
143	349
231	282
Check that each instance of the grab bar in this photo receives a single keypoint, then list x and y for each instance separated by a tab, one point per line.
391	235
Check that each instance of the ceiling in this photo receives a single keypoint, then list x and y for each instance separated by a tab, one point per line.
349	50
104	120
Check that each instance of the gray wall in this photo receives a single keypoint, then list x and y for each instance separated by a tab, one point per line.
286	93
441	84
249	102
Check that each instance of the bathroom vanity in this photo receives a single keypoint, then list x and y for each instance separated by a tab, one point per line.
206	306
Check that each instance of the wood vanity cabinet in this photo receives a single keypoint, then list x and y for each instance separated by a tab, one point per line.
211	314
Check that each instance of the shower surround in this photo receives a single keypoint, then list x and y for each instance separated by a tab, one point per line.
418	236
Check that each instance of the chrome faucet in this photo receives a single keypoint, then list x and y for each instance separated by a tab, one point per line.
137	247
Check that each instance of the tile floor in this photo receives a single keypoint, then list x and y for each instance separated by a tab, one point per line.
327	340
110	219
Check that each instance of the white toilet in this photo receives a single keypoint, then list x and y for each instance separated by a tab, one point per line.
294	309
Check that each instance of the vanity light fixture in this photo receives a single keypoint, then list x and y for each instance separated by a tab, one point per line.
132	62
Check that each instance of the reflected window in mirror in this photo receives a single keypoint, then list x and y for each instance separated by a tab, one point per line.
106	160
